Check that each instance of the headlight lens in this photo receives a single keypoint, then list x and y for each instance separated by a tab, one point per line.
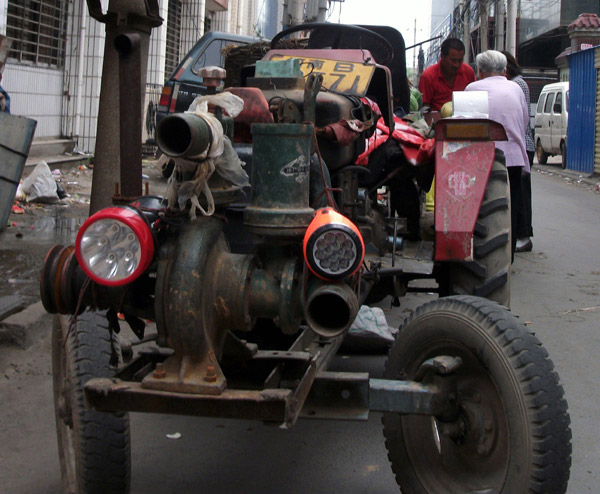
115	246
333	245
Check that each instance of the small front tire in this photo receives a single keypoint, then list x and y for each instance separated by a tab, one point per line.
511	434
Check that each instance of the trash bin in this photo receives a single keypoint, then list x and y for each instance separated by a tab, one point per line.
16	134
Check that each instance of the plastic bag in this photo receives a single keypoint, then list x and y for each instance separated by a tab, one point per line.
370	332
40	185
229	165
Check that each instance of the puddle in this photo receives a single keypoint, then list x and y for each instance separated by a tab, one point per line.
57	229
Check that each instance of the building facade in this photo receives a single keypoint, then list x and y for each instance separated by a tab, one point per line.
54	67
541	26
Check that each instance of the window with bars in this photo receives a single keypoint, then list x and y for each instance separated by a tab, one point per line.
38	31
173	37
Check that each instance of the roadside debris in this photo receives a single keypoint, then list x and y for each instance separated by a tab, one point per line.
39	186
370	332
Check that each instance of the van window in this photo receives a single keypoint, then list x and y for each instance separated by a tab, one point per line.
558	103
549	101
567	102
213	54
540	104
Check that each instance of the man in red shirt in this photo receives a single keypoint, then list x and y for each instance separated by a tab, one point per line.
449	74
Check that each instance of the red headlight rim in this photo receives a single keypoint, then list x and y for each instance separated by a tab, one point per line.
134	220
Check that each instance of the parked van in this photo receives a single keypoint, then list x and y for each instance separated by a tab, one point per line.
551	119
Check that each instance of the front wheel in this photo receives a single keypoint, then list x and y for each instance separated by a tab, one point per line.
511	432
93	447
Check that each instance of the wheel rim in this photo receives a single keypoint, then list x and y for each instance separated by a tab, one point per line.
65	406
470	454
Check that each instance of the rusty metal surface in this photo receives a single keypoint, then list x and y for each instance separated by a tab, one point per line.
405	397
332	395
462	169
338	396
184	375
273	405
194	395
187	285
130	109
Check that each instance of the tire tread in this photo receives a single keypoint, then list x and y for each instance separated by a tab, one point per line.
550	433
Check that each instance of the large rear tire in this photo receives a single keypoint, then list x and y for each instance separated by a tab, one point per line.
93	447
488	275
512	432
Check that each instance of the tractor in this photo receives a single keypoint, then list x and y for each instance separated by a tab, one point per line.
291	206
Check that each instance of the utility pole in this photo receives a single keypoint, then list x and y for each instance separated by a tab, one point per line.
464	14
297	12
511	26
133	21
483	23
499	22
415	50
322	15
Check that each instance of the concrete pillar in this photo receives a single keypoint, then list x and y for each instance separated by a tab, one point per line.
499	25
483	23
511	26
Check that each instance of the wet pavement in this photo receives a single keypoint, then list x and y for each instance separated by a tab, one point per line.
30	234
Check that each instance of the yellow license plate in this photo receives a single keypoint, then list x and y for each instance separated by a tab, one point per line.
341	77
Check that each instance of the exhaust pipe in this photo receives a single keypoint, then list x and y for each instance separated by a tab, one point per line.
330	308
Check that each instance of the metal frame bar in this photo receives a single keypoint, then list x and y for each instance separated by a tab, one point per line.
300	391
328	395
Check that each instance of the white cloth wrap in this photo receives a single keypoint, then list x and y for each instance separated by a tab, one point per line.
219	156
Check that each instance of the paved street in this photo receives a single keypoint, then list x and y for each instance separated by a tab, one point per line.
555	289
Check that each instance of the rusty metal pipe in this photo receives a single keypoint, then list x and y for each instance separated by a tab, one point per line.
130	110
183	135
330	308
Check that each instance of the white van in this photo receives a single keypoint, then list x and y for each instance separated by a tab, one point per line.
551	119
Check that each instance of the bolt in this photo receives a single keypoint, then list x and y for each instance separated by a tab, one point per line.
481	449
488	425
211	374
159	371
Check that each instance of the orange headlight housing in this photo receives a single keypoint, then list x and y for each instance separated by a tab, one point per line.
333	246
